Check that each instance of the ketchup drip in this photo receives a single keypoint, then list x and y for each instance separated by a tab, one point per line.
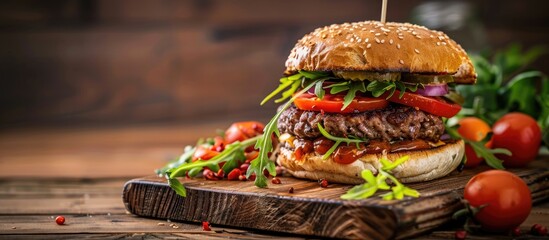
347	154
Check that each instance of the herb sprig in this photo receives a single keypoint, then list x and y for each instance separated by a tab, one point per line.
374	183
480	149
264	143
378	88
231	155
337	140
506	83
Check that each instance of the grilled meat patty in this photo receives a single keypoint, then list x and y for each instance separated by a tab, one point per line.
393	123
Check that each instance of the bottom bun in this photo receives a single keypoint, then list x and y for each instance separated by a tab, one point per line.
423	165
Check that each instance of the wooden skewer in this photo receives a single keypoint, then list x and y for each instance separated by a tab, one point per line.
383	11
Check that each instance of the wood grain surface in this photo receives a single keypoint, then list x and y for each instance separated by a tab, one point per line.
310	210
80	173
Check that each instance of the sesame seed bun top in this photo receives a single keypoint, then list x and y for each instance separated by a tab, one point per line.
381	47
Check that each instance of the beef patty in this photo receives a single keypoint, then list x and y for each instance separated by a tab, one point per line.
393	123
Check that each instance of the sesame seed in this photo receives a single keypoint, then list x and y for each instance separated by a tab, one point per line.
418	37
401	61
444	43
438	43
417	51
324	36
398	46
431	36
369	45
359	40
367	39
363	29
440	38
414	32
364	53
377	40
377	34
390	41
352	40
372	31
400	37
385	33
345	45
382	41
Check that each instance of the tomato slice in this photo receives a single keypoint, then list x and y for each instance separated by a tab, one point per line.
334	103
433	105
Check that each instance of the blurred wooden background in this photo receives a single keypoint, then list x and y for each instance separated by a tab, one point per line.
114	63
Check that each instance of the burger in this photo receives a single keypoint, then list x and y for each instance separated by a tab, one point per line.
365	91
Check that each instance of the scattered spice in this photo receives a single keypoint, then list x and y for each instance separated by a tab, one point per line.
460	234
234	174
206	226
539	230
13	227
242	178
60	220
516	232
161	224
323	183
276	180
291	190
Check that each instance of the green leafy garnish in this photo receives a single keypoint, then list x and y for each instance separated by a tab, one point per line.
481	150
378	88
337	140
231	155
292	83
264	143
379	182
506	84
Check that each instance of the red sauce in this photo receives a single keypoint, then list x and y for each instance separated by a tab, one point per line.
322	145
407	145
347	154
302	147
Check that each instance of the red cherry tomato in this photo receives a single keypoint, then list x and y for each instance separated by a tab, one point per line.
241	131
506	198
473	129
433	105
520	134
333	103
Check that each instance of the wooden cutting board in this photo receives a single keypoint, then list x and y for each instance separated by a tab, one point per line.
310	209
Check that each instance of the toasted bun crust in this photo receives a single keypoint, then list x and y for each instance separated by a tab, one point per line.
378	47
423	165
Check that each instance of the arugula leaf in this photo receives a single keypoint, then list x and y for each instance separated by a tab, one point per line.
319	90
378	88
520	90
265	145
480	149
353	88
177	187
337	140
374	183
232	152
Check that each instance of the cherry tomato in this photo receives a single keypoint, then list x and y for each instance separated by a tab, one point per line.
203	153
520	134
241	131
434	105
473	129
333	103
506	198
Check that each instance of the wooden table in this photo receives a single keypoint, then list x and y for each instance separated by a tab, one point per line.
79	173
